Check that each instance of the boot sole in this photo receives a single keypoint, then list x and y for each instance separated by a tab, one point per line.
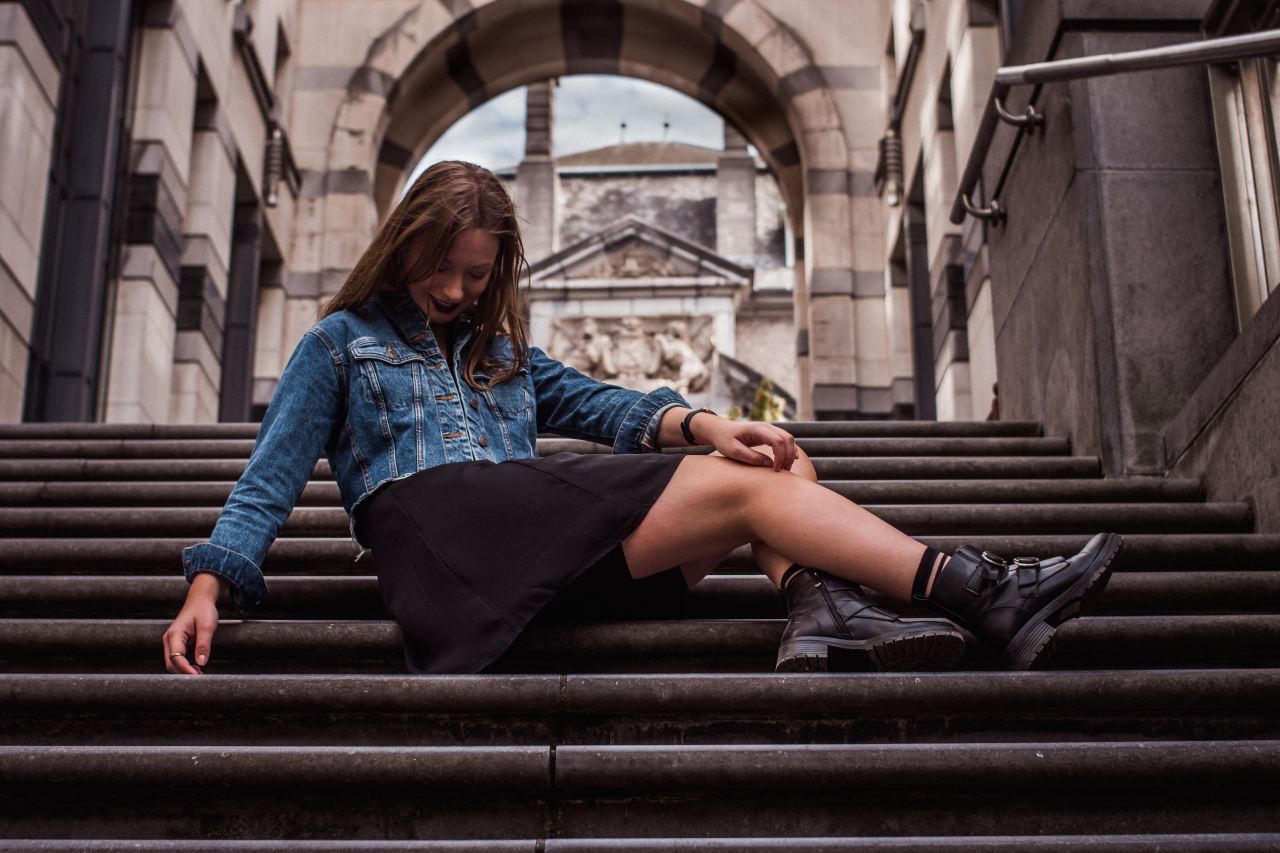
1032	646
926	650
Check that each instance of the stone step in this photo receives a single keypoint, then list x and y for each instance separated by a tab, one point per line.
591	790
726	596
808	429
742	645
1225	842
867	468
240	448
215	494
387	710
316	555
912	520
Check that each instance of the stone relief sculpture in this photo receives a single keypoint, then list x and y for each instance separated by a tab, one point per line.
678	358
638	353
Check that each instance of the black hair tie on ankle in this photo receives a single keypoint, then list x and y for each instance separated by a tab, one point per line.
923	571
786	576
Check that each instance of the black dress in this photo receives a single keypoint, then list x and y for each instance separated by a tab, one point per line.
469	552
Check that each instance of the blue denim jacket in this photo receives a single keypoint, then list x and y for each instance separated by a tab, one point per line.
372	390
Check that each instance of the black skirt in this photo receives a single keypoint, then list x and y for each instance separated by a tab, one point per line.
469	552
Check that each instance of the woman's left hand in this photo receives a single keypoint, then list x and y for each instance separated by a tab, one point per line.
735	439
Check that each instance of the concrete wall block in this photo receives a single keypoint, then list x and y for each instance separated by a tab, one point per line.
348	212
191	345
780	49
18	35
940	183
165	105
973	69
767	345
13	372
862	115
194	399
299	315
211	196
142	346
897	306
816	110
832	371
982	352
1162	355
329	34
26	139
1226	434
269	356
831	328
827	243
1148	120
825	149
1045	349
834	31
753	21
954	400
871	340
314	113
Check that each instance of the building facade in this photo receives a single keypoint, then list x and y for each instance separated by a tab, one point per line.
185	181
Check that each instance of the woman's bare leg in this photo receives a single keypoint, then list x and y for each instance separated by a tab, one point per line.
713	504
768	560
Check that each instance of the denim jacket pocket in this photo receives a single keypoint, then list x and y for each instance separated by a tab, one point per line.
511	397
391	375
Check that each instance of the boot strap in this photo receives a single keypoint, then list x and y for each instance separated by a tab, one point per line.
923	571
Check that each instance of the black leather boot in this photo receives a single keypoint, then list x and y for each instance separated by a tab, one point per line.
1014	606
833	626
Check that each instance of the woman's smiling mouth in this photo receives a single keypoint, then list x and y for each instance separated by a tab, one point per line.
444	307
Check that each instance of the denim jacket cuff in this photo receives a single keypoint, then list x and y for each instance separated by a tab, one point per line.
635	424
248	586
654	429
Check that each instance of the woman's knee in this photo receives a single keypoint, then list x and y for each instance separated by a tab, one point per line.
801	467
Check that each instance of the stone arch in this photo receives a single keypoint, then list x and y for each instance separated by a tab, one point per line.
439	59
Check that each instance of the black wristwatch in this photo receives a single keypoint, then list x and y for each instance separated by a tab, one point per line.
684	425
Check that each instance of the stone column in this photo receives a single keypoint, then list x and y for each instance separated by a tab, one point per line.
28	110
144	324
537	185
206	253
736	200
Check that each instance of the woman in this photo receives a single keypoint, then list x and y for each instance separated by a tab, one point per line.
419	387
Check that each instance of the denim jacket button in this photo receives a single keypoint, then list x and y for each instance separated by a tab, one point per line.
484	439
474	403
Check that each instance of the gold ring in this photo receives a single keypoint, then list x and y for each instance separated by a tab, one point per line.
178	655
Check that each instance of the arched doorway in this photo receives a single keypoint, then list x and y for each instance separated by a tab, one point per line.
436	60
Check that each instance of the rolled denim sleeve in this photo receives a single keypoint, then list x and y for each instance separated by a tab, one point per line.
652	431
297	425
575	405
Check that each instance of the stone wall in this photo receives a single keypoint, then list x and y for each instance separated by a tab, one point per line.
28	109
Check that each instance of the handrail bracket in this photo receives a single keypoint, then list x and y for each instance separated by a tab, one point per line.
994	213
1030	120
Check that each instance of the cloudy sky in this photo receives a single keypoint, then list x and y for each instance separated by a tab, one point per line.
589	110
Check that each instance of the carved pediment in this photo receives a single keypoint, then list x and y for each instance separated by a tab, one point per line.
631	249
634	258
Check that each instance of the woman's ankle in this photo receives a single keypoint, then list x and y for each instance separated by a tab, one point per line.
932	562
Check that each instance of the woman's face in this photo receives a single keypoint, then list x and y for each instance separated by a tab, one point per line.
463	276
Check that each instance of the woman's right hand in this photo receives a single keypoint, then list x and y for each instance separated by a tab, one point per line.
197	620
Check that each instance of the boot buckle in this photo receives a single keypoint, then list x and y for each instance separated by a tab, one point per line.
1024	566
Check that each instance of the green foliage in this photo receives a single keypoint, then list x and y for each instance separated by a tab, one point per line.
766	406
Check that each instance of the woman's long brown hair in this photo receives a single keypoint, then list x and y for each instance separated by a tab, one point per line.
447	198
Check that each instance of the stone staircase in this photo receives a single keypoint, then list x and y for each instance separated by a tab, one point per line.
659	727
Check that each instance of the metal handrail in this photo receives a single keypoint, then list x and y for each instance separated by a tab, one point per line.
1226	49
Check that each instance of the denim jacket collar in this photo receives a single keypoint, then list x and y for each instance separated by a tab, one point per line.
412	323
